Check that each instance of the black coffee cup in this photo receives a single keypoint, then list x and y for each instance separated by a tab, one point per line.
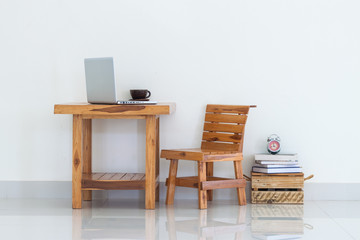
140	93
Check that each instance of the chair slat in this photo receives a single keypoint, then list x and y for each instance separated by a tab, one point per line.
221	137
225	118
220	146
217	127
227	109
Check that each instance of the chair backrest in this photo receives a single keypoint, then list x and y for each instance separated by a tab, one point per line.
224	127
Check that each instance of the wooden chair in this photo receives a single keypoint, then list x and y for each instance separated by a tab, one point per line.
222	140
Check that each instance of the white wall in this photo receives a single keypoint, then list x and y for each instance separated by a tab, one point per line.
297	60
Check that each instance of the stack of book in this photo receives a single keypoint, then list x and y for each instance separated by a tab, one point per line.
278	163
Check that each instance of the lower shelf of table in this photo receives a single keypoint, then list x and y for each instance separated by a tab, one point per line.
113	181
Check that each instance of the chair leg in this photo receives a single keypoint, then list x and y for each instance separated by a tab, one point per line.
209	173
171	182
239	175
202	178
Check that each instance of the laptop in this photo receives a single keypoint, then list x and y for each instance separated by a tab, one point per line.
100	82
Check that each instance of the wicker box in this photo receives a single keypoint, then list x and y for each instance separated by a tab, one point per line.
277	188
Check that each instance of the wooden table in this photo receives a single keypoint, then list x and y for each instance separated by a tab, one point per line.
83	179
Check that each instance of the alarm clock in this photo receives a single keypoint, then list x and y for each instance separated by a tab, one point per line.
273	145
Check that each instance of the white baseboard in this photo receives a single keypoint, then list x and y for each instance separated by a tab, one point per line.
62	189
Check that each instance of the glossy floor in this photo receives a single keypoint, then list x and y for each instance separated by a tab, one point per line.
124	219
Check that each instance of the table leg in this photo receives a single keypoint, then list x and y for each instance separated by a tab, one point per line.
150	180
157	196
77	159
87	169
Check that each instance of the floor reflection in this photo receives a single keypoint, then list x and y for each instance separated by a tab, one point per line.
42	219
116	220
92	223
206	225
277	221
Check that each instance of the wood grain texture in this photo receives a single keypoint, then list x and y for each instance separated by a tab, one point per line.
113	181
171	182
113	110
157	167
150	183
239	175
186	154
219	127
94	116
220	184
242	142
107	176
137	177
209	173
198	154
226	156
202	178
120	176
101	176
87	162
93	176
220	146
225	118
277	197
128	177
77	161
270	181
192	181
227	108
222	137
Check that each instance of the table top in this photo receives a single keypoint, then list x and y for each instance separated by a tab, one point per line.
111	110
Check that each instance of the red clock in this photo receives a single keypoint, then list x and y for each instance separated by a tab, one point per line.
273	144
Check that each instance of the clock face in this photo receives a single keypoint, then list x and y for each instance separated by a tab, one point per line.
274	146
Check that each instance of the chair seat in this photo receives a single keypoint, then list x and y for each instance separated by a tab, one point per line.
199	154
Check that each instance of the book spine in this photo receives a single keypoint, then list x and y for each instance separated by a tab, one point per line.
276	157
277	170
276	162
277	165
